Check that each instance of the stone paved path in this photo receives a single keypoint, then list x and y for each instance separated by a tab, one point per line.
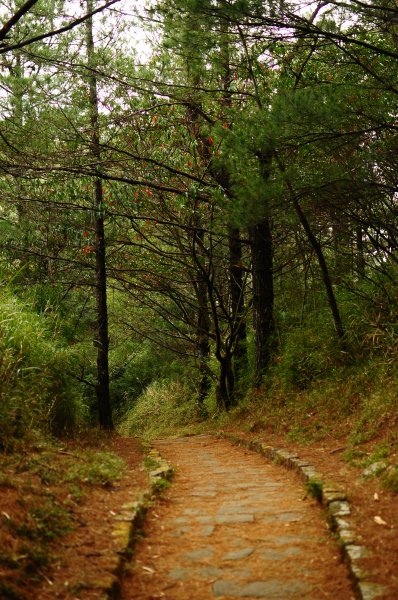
234	526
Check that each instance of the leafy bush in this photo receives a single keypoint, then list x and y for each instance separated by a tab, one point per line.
308	353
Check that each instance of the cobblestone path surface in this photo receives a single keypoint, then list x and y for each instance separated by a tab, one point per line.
234	525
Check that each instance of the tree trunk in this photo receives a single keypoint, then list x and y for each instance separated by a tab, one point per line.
203	345
263	295
204	383
343	257
102	339
360	254
236	285
338	325
236	351
226	384
102	336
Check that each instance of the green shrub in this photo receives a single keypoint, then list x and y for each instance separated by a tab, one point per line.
307	354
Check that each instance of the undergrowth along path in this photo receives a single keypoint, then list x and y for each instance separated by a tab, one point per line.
234	525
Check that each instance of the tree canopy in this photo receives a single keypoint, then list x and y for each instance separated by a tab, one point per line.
225	195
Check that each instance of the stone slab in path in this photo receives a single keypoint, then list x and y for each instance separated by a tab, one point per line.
253	536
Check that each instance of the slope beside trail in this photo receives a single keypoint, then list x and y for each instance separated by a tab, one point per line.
233	525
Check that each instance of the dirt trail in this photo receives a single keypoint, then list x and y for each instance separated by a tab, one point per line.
234	525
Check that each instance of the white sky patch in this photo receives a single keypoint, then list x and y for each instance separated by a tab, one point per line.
125	14
137	35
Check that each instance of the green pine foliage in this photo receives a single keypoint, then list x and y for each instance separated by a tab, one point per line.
237	117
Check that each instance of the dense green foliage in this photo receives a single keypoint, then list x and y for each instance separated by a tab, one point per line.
36	387
223	213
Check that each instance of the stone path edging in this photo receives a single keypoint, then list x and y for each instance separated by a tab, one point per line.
337	508
129	523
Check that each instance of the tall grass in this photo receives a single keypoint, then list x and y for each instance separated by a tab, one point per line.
166	407
36	389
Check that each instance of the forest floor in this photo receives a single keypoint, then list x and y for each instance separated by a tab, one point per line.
59	505
208	530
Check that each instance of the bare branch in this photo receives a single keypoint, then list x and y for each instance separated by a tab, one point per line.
6	48
15	18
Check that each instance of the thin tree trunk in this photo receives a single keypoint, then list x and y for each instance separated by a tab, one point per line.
203	336
237	352
343	260
233	358
338	325
17	73
261	244
226	383
221	390
102	337
360	255
263	295
236	285
203	356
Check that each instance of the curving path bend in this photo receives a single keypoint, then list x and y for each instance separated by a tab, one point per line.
234	525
